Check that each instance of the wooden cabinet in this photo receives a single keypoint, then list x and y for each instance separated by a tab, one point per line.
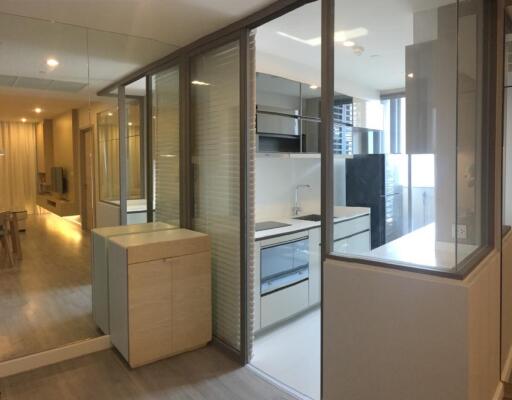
160	294
99	272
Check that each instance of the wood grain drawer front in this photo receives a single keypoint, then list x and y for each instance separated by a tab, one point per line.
191	301
150	303
347	228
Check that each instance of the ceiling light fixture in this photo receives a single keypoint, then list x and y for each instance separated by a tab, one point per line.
358	50
109	114
200	83
410	75
339	36
313	87
23	120
38	110
348	43
52	62
130	124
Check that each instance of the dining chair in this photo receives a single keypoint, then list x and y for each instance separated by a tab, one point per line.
5	228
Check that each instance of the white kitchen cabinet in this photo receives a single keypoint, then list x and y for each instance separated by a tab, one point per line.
351	227
315	265
352	236
283	304
358	243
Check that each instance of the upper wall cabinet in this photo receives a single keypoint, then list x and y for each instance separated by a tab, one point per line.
278	93
430	89
420	121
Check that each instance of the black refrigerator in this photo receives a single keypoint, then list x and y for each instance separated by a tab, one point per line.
377	181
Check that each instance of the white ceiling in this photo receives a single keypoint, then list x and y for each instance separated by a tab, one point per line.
381	66
96	43
176	22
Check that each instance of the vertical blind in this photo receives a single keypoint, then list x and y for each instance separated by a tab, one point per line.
166	146
215	124
251	185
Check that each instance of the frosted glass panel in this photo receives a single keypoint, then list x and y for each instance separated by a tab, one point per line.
216	173
166	146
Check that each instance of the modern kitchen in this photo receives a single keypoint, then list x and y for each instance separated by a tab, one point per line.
384	173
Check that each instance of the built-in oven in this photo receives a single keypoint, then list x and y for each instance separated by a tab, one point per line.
284	264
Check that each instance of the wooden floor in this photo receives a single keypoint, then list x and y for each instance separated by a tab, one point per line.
45	302
200	375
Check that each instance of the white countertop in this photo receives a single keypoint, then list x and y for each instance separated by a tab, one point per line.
420	249
340	214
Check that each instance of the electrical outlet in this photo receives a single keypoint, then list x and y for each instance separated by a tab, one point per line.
462	232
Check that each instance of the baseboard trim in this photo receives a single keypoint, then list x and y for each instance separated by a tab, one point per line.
500	392
54	356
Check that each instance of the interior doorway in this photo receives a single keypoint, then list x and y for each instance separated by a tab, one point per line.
87	178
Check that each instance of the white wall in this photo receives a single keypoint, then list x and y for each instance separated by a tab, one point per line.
276	179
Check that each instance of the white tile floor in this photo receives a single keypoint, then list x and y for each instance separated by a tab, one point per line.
291	354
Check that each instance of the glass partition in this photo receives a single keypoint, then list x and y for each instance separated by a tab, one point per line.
415	172
108	155
166	146
215	130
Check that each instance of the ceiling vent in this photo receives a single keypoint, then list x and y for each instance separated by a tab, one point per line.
41	84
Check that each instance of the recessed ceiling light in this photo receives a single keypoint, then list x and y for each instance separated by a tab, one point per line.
200	83
410	75
358	50
130	124
38	110
313	87
348	43
23	120
52	62
109	114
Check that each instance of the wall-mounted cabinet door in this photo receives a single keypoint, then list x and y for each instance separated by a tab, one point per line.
274	91
420	121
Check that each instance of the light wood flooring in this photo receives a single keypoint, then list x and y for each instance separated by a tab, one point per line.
45	302
205	374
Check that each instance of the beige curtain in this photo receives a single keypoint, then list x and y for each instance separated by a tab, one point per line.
18	166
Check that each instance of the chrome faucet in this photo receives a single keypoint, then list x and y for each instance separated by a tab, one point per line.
296	209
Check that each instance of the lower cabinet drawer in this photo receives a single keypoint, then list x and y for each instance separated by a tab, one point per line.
283	303
351	226
359	243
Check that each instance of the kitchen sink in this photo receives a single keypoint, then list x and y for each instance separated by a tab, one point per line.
310	217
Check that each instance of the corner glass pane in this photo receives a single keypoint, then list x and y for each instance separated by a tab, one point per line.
166	146
409	157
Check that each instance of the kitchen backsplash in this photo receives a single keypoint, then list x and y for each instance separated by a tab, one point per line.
276	179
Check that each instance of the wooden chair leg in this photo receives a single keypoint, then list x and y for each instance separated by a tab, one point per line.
15	238
8	252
